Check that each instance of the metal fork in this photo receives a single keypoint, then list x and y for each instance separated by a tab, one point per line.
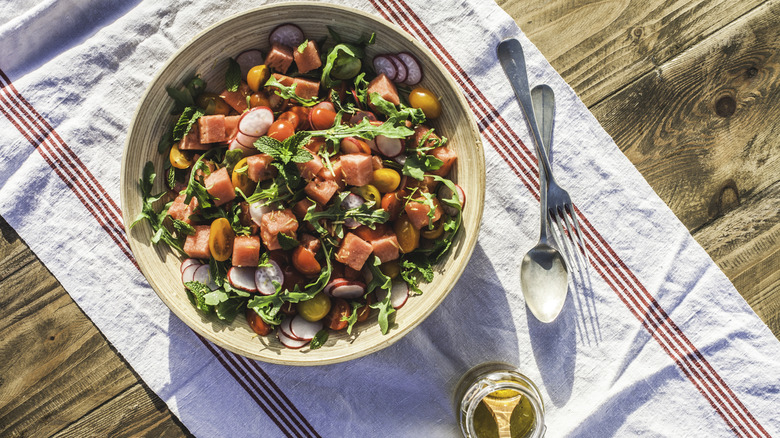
559	205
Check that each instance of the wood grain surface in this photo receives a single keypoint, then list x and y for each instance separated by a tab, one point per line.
689	92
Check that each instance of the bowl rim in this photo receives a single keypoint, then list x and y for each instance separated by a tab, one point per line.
467	246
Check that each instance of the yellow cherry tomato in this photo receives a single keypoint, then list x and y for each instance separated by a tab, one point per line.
408	236
425	100
369	193
221	237
178	159
316	308
386	180
257	77
213	104
435	233
392	269
240	179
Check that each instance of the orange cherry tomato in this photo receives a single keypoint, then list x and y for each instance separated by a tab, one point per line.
408	236
281	130
393	203
178	158
291	117
425	100
257	77
339	310
213	104
303	116
221	237
304	261
435	233
322	118
256	323
259	99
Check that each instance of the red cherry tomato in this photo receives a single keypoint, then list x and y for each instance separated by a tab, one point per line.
339	309
393	203
281	130
322	118
291	117
256	323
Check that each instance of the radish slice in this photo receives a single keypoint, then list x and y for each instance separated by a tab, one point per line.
257	210
333	283
360	115
247	141
352	201
234	144
349	290
189	272
389	147
413	71
399	292
372	145
288	35
290	342
242	278
248	59
188	262
352	145
384	65
284	327
445	193
400	159
255	122
400	68
266	275
304	329
203	275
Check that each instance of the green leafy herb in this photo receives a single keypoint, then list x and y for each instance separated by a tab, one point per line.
288	183
228	310
416	266
197	292
288	243
165	143
365	214
148	212
171	179
384	282
302	46
451	224
286	92
415	115
364	129
183	227
353	316
233	75
185	122
181	99
231	159
342	60
234	217
361	89
291	150
417	165
319	339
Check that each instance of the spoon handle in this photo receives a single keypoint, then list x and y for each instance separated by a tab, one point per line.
543	104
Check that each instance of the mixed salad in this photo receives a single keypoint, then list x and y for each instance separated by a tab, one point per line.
311	193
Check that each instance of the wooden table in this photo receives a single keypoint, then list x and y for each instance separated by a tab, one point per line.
690	91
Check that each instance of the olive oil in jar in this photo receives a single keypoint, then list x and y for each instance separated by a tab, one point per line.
495	401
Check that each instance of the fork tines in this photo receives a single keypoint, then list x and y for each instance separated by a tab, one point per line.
564	224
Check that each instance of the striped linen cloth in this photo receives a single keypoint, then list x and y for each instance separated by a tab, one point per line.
654	342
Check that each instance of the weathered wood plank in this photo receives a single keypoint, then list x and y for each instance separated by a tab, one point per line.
135	412
745	243
600	47
56	366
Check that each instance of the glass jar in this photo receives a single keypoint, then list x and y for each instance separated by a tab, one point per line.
495	400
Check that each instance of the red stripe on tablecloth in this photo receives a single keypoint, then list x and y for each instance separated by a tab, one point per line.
71	170
635	296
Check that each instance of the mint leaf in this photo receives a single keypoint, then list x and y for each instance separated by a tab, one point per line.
185	122
233	75
288	243
417	165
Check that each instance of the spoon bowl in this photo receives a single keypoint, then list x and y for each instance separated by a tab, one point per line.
544	281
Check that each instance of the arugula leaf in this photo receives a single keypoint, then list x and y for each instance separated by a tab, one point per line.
364	129
451	224
188	117
183	227
365	214
384	282
286	92
361	88
233	75
353	316
215	297
416	165
230	308
416	266
319	339
165	143
235	221
302	46
196	188
231	159
415	115
345	50
288	243
155	219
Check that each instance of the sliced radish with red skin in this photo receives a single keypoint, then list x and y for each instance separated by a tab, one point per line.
349	291
399	293
413	71
242	278
384	65
360	115
400	69
203	275
247	141
284	327
352	145
187	262
265	277
372	145
389	147
287	34
257	210
352	201
189	273
235	145
248	59
302	328
255	122
333	283
290	342
400	159
445	193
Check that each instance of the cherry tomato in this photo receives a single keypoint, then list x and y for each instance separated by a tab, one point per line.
392	268
424	99
340	310
259	99
289	308
221	237
370	194
256	323
178	159
316	308
386	180
291	117
393	203
303	115
322	118
241	180
257	77
365	310
435	233
292	278
213	104
304	261
408	236
281	130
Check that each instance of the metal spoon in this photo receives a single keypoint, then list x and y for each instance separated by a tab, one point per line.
543	272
